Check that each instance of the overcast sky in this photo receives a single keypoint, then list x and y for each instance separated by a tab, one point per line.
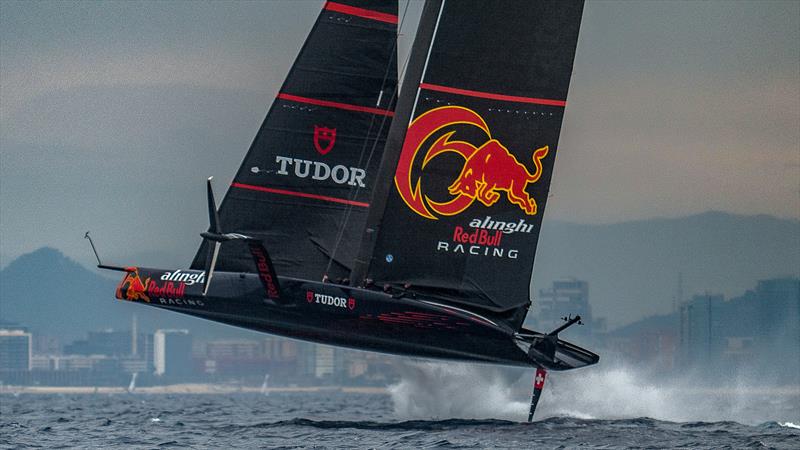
113	114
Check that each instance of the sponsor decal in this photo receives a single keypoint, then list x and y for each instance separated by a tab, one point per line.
167	289
320	171
485	238
481	237
490	170
331	300
324	138
171	290
180	302
488	223
264	271
133	288
189	278
538	381
477	250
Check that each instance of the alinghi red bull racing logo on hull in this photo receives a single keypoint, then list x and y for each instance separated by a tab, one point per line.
489	170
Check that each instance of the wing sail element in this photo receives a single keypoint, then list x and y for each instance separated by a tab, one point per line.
303	188
470	154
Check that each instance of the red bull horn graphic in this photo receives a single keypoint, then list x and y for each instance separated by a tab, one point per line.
489	169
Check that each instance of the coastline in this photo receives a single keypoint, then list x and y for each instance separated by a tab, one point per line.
188	388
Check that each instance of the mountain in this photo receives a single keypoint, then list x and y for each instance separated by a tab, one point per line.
53	295
632	267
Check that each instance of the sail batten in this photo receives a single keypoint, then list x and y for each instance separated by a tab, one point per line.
492	95
337	105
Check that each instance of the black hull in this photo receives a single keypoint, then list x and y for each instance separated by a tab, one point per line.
343	316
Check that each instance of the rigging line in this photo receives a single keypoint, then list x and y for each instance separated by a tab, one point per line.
427	60
354	191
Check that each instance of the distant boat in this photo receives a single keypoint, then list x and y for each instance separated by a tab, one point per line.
404	224
132	384
265	386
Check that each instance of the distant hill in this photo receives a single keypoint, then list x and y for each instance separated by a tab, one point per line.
53	295
632	267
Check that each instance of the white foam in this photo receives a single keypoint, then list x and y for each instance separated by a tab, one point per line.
455	390
606	391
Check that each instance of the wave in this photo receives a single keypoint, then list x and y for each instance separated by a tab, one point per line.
604	392
551	423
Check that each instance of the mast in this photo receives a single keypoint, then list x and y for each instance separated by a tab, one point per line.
406	102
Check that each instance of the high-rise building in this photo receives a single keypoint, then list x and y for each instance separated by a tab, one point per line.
172	353
15	350
701	330
316	362
566	297
109	343
779	319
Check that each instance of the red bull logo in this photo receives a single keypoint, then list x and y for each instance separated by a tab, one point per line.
490	171
133	288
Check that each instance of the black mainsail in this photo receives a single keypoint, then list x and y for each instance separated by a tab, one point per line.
465	176
306	181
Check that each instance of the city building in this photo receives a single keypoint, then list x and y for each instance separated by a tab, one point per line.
172	353
15	349
651	342
701	339
779	320
135	349
565	298
760	329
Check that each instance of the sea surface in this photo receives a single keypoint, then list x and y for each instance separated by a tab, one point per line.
335	420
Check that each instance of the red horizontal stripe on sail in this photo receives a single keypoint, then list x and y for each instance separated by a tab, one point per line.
329	104
361	12
299	194
489	95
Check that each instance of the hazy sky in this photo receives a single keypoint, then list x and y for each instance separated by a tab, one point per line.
113	114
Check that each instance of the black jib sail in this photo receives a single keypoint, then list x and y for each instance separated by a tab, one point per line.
470	154
306	181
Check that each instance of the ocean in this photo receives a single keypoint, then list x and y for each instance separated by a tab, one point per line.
333	420
452	406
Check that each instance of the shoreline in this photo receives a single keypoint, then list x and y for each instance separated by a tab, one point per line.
188	388
208	388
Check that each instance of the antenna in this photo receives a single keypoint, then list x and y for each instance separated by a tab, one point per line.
86	236
100	265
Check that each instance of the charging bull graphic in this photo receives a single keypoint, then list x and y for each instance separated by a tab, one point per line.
133	288
489	170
